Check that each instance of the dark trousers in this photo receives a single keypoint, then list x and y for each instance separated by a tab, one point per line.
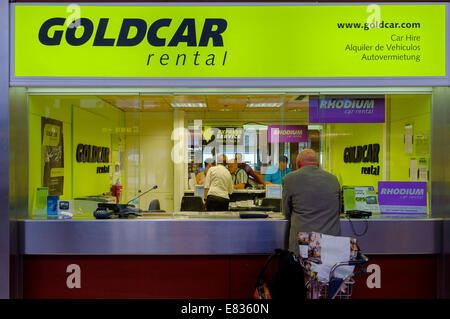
216	203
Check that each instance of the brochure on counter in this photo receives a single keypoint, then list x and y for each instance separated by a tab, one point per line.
361	198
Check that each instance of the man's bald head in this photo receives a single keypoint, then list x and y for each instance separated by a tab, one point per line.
222	159
307	157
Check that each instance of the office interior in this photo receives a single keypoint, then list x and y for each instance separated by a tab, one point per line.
162	137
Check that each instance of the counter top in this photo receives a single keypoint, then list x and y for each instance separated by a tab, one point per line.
208	215
245	191
194	233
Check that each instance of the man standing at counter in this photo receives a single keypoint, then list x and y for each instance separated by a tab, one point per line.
311	199
218	186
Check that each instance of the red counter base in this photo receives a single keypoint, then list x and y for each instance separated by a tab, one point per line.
204	277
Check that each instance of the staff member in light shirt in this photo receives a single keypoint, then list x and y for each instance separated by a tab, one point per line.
238	175
218	186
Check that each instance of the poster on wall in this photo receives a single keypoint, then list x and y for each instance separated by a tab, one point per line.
402	197
346	110
287	133
360	198
223	135
408	138
53	156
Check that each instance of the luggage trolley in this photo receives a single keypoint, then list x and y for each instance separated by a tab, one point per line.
339	287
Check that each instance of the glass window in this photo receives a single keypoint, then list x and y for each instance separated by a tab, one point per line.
110	147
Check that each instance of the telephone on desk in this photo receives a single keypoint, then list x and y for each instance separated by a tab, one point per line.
357	214
111	210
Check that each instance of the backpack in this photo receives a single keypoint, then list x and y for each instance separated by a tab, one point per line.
288	281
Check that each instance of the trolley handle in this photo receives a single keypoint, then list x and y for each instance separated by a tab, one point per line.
361	260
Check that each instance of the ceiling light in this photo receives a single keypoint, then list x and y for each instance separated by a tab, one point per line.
149	105
279	104
188	104
255	127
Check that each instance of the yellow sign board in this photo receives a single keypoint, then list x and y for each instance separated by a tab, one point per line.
235	41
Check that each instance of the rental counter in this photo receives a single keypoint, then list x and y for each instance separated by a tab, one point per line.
190	233
140	258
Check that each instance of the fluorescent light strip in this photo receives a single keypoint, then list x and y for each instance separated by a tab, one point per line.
192	105
264	104
149	105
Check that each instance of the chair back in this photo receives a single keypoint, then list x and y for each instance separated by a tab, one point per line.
155	206
192	204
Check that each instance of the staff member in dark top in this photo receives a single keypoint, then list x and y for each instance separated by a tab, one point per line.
247	168
218	186
311	199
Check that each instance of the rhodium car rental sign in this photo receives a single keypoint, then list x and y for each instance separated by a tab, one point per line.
346	110
287	133
228	41
402	197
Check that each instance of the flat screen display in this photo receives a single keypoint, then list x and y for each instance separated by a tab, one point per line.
200	191
273	191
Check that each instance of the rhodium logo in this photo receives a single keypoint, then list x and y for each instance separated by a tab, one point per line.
402	191
52	31
346	104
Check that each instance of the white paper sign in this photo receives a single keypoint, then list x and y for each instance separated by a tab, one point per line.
408	138
423	173
413	170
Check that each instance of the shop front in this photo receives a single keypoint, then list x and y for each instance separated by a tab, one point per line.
126	106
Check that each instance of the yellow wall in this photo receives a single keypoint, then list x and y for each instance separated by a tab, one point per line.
86	120
354	134
400	110
406	109
93	123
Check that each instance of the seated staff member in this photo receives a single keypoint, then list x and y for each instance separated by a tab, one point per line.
247	168
238	175
218	186
277	176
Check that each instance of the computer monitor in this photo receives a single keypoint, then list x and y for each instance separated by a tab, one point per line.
200	191
273	191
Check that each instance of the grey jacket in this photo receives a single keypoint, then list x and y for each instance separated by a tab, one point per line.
311	201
